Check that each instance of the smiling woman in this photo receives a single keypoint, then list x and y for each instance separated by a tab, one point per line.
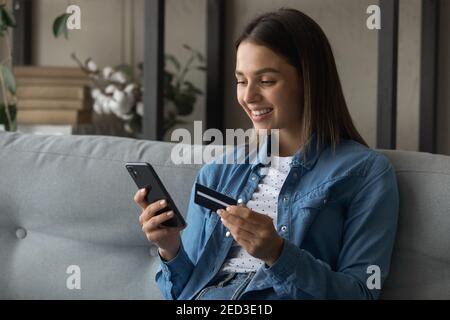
319	221
287	56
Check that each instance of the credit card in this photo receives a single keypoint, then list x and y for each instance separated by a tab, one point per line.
211	199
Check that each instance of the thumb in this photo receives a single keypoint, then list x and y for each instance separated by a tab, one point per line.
241	203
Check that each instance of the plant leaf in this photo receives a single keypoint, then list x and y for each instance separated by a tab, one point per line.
187	47
192	88
9	79
4	119
126	69
174	61
8	18
60	25
199	56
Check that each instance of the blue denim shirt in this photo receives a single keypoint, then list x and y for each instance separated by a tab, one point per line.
337	214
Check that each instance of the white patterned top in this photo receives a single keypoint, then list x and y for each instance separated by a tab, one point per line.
264	200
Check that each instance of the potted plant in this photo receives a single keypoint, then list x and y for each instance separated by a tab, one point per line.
116	90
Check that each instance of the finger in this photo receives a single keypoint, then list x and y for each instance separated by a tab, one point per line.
156	221
236	220
243	237
140	198
242	212
151	210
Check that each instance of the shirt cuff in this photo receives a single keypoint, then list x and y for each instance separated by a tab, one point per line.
286	263
177	265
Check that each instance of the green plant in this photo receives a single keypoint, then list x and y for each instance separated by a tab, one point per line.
117	91
7	81
181	92
60	25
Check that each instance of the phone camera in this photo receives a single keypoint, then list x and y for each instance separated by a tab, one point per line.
132	171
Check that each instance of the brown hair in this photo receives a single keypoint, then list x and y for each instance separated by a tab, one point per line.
297	38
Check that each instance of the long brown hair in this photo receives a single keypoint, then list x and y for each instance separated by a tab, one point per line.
300	40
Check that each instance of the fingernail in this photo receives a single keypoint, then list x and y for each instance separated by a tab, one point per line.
228	209
219	211
162	202
221	220
142	190
170	213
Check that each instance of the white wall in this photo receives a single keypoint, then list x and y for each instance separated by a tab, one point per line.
101	36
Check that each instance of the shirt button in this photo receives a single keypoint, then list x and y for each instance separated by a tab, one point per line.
283	228
253	178
285	199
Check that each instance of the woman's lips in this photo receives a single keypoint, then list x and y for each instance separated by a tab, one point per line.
261	114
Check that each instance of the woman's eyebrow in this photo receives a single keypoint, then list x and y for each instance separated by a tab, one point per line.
260	71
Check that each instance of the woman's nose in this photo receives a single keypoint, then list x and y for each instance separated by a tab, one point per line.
251	94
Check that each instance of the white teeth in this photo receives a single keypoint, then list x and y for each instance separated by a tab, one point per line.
261	112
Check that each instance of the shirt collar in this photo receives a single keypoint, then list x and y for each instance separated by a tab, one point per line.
298	159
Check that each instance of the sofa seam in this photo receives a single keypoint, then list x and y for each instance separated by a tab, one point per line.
94	158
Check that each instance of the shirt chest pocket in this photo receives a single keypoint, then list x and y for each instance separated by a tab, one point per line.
304	212
314	202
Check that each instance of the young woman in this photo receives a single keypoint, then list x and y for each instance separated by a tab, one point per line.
321	222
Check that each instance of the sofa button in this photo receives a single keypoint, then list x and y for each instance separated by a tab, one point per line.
153	251
21	233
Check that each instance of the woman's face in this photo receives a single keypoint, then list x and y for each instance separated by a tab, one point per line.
267	88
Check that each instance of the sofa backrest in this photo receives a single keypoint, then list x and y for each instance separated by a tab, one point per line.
420	267
68	201
66	208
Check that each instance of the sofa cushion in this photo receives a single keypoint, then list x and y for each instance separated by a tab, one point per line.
68	200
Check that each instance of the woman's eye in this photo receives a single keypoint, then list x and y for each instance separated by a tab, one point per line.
262	82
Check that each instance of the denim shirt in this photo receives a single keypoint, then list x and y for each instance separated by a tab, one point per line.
337	213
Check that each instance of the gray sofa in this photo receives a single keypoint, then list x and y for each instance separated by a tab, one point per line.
66	201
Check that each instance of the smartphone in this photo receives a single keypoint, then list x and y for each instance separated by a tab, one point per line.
145	176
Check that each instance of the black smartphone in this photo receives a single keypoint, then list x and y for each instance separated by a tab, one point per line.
145	176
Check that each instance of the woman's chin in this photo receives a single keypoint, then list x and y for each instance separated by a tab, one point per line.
260	126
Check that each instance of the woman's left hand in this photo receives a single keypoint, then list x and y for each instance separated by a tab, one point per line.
254	231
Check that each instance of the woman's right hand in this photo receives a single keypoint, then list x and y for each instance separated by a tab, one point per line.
166	238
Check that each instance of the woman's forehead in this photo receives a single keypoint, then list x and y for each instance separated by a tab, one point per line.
253	59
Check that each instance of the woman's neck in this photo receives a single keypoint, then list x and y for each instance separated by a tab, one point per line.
290	143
